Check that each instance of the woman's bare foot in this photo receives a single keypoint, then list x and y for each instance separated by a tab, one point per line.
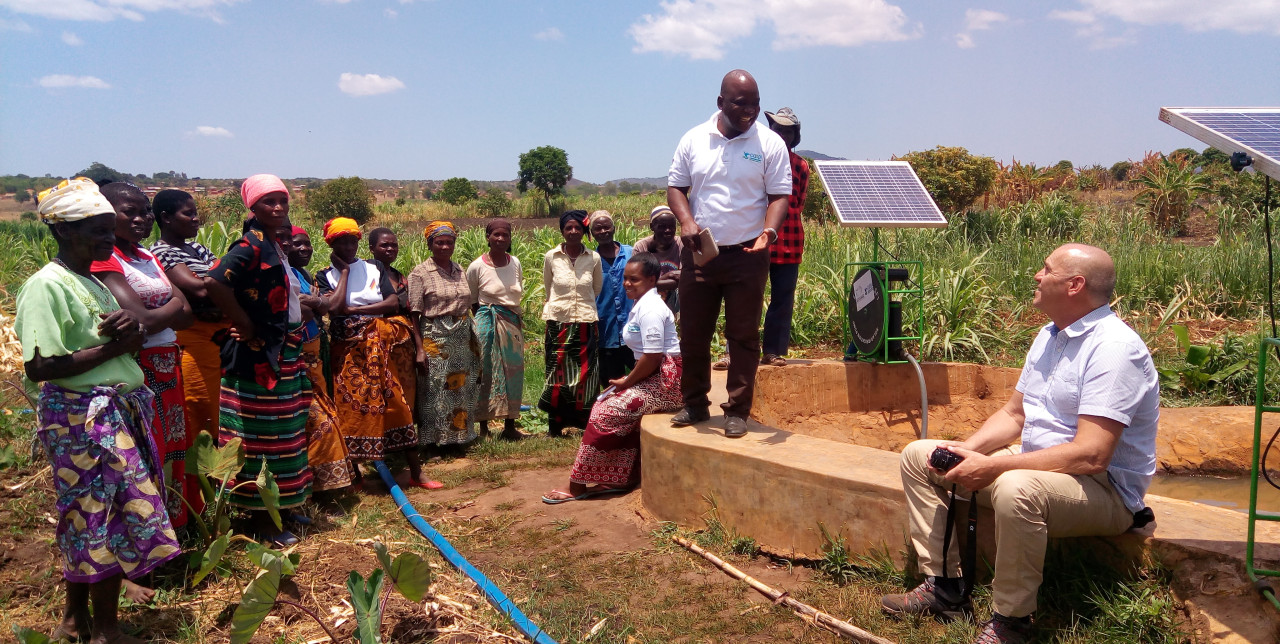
138	594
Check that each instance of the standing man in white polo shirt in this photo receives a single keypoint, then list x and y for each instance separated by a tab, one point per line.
733	177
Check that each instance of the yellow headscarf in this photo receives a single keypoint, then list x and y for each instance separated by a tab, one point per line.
72	200
437	228
340	226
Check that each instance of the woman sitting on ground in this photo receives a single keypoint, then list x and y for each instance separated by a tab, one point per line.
449	358
94	412
140	286
367	335
609	458
331	470
186	263
265	391
571	279
665	244
495	281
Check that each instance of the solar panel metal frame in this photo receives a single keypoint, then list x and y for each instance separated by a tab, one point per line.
1182	118
848	213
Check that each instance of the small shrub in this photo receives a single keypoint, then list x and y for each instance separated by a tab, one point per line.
28	216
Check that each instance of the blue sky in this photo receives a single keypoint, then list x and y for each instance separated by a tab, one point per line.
430	89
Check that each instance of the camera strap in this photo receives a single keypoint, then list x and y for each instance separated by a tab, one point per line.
969	558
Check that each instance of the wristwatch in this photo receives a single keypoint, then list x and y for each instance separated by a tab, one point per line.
773	235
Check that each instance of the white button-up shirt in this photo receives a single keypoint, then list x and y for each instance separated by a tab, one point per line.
729	180
1097	366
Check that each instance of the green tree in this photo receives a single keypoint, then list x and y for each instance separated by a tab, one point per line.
495	203
547	169
1120	170
954	177
342	197
22	196
99	173
457	190
817	205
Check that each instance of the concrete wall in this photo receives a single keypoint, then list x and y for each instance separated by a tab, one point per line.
878	406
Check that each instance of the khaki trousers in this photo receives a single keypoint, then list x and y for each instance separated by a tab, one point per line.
1029	505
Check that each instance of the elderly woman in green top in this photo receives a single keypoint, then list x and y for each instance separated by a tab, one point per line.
95	416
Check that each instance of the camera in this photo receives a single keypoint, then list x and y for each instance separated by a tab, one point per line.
943	459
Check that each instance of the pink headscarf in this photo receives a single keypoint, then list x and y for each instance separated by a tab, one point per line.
258	186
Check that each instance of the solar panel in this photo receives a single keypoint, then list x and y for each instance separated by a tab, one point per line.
1252	130
879	194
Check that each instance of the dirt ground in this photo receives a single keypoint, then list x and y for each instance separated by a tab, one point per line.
571	567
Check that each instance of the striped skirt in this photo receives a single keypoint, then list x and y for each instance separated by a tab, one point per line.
573	372
501	386
272	423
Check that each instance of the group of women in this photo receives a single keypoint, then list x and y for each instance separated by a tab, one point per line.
137	351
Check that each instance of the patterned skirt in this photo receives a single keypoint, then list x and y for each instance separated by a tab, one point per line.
272	423
447	395
326	447
501	339
107	477
162	367
372	362
610	451
573	372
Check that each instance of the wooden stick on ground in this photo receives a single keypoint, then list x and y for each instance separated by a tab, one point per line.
779	597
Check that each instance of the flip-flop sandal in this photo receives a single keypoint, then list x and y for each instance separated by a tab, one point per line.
430	485
284	539
60	635
585	495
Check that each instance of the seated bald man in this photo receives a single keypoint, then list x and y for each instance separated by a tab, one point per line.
1085	410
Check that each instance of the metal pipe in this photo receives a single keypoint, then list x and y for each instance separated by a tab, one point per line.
924	397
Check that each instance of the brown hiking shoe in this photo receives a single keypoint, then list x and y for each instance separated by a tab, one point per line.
924	600
1005	630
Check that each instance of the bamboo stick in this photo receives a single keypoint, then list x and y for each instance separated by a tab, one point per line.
780	597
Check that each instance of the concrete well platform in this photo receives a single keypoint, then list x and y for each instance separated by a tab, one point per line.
778	487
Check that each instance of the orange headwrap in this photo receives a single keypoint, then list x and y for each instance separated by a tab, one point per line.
437	228
340	226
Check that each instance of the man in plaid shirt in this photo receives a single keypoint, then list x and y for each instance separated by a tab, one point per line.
785	253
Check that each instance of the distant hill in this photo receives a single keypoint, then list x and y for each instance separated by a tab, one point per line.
818	156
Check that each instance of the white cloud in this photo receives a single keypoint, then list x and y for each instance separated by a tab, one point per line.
71	39
702	29
368	84
550	33
210	130
978	19
60	81
1078	17
1090	28
106	10
1244	16
390	13
14	25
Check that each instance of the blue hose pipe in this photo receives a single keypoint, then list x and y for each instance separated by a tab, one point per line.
491	592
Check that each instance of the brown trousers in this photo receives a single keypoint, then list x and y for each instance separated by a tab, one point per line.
738	278
1029	506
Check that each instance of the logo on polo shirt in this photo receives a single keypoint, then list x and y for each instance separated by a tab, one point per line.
754	158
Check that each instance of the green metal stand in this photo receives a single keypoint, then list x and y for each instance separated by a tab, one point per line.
912	300
1255	515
